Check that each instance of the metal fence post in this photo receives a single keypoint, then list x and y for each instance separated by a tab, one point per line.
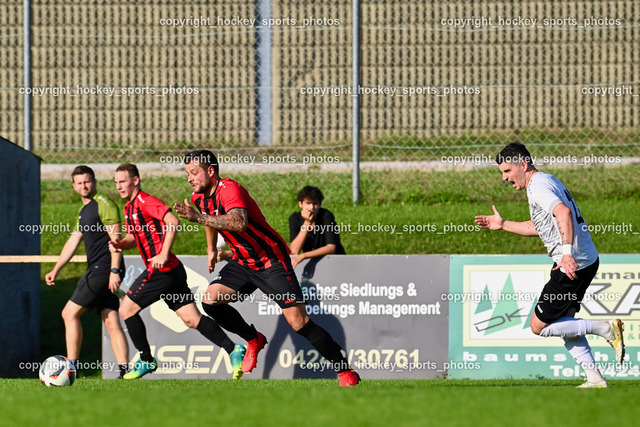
27	75
355	132
264	76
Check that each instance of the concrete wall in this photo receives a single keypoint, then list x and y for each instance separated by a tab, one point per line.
20	284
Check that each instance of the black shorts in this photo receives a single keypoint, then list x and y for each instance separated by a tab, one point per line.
278	282
169	286
93	292
561	294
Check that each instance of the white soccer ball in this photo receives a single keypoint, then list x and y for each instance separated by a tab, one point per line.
57	371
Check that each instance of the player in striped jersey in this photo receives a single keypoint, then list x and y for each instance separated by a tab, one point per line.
261	259
152	226
556	219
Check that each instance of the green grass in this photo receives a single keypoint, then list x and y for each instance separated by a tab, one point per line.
401	199
317	403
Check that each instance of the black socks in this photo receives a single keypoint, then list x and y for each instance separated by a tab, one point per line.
215	334
231	320
325	345
124	368
138	334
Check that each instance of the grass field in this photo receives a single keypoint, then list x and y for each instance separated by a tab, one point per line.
317	403
397	201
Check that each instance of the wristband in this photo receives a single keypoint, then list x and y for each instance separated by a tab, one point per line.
567	249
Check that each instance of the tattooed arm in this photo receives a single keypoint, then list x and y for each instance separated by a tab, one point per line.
564	217
565	223
236	220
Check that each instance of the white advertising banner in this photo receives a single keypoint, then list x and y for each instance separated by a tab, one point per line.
388	312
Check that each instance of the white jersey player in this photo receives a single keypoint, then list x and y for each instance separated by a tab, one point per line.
545	193
556	219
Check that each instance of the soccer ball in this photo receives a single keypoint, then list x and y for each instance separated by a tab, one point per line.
57	371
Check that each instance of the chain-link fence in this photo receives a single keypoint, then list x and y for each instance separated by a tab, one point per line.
267	86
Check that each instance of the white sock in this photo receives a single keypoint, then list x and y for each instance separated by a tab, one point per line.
602	329
579	348
567	327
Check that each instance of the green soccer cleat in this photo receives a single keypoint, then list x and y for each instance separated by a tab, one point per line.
141	369
236	357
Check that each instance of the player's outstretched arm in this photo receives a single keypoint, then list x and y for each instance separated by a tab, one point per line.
496	222
68	250
186	211
119	245
523	228
236	220
490	222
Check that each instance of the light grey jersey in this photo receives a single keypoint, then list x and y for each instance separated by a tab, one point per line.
545	193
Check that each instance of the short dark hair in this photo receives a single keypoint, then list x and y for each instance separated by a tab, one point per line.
129	168
81	170
514	153
204	158
310	193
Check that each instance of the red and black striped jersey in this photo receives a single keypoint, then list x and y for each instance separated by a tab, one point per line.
144	219
259	246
